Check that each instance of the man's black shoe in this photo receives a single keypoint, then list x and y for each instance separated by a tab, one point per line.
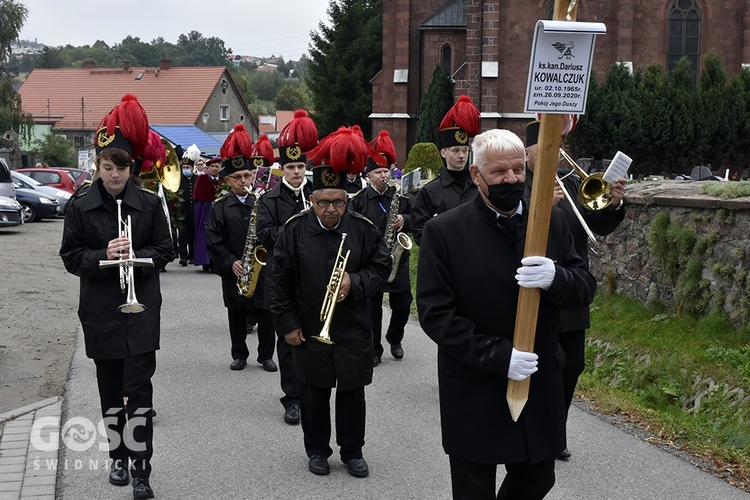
376	361
238	364
183	263
318	464
292	415
141	488
397	351
269	365
357	467
564	455
119	475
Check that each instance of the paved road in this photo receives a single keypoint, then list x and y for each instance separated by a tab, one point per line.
219	434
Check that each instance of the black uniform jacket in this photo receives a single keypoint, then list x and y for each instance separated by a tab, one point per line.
304	257
187	184
227	233
467	296
376	207
437	196
601	222
90	224
276	207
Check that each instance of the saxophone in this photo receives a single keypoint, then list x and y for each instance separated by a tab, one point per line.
253	257
396	242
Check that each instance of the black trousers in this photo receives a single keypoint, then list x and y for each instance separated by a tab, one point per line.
523	481
316	421
130	429
238	321
400	303
186	239
289	381
573	344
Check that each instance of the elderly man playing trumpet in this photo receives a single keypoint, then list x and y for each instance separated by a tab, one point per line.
321	252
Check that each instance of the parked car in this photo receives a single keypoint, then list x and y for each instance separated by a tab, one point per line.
51	177
37	205
11	212
79	175
23	181
6	183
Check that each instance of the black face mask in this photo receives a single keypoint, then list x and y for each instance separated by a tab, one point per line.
504	196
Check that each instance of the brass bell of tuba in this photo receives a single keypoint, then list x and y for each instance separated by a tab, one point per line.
167	174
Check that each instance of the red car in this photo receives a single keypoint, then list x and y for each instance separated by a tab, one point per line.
79	176
55	177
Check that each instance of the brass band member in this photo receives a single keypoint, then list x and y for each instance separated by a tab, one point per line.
287	198
304	260
204	193
375	203
575	321
227	236
123	346
453	186
469	272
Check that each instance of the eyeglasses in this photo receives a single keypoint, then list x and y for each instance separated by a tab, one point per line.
327	203
199	163
236	177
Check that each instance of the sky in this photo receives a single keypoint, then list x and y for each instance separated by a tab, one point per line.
247	27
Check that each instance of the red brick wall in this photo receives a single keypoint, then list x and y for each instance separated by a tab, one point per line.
502	31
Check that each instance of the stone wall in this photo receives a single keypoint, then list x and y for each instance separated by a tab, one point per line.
628	261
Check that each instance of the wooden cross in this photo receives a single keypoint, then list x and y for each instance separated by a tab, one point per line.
540	210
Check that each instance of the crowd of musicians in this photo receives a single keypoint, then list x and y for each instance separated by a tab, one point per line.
308	263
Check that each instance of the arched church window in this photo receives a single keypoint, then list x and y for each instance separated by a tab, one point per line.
446	58
684	34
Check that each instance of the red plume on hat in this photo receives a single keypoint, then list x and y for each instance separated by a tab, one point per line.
264	148
358	130
237	143
464	115
153	153
383	144
301	130
345	151
132	121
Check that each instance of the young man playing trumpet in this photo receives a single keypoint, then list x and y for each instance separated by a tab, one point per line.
321	252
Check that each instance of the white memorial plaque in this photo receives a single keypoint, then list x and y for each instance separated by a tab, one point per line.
560	66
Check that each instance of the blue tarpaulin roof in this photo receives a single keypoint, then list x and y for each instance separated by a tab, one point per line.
186	135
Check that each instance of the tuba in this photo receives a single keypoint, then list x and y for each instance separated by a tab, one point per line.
332	292
169	173
127	276
253	257
396	242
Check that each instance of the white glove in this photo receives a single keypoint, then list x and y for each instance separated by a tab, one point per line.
522	364
537	272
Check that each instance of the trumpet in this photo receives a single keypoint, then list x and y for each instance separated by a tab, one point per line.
594	190
332	292
127	275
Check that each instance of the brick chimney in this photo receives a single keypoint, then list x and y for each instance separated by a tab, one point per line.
89	64
165	64
126	65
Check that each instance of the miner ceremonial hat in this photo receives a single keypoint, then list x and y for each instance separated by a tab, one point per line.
153	154
237	151
382	144
262	154
569	123
532	133
460	123
340	153
124	127
298	137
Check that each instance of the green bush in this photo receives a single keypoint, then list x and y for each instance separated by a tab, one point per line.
424	155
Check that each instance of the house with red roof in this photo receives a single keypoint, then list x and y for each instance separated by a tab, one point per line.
185	105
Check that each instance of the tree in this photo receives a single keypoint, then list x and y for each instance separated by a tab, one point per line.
12	117
345	56
425	156
290	97
435	103
12	16
55	150
50	58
